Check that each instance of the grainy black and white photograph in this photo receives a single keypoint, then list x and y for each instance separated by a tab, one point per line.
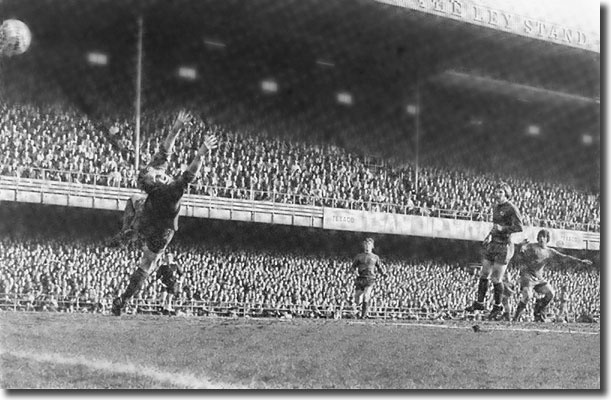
300	194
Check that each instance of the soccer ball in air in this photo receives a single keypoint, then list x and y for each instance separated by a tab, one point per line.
15	37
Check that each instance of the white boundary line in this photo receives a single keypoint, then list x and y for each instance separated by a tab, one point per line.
181	380
484	328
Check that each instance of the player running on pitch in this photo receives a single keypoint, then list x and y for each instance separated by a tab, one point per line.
170	275
535	257
498	250
159	219
366	265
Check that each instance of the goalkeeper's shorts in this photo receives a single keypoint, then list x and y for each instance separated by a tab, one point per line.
157	239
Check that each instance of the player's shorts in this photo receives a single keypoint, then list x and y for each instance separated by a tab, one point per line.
157	239
363	282
170	287
499	253
532	282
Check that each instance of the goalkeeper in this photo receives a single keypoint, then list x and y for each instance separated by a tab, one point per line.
159	219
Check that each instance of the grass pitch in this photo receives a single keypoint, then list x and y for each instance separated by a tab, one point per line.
89	351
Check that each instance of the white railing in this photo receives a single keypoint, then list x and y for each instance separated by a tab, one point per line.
43	303
77	183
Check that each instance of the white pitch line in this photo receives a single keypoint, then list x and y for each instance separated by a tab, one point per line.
180	380
484	328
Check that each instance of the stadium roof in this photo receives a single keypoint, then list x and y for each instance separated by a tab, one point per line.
377	42
374	53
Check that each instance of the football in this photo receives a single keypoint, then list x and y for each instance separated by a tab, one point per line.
15	37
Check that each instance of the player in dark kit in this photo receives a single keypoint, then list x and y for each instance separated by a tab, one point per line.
169	274
159	219
366	265
498	250
534	258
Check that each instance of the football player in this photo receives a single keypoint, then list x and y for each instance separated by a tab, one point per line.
366	264
169	274
498	250
159	219
534	258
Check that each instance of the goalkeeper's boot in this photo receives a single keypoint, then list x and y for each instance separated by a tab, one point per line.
497	310
476	306
505	317
117	305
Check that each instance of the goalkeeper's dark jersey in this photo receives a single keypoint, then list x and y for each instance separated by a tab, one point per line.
506	214
163	202
366	264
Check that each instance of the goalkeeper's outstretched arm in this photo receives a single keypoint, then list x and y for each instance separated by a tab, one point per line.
182	118
210	143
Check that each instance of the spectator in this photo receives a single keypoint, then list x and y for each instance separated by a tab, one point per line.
250	165
72	270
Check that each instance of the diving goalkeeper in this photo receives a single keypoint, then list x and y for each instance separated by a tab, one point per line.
159	218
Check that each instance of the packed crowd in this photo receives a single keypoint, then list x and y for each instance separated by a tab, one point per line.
55	274
60	144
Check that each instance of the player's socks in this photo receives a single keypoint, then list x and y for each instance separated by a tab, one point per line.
136	281
537	307
168	303
364	309
498	292
162	300
117	305
482	288
128	215
540	305
521	307
545	301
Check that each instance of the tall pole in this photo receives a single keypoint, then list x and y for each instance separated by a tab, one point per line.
138	93
417	122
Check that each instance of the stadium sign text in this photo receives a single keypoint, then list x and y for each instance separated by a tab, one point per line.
468	11
343	218
416	225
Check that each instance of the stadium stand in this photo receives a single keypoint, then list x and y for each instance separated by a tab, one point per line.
250	165
75	275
